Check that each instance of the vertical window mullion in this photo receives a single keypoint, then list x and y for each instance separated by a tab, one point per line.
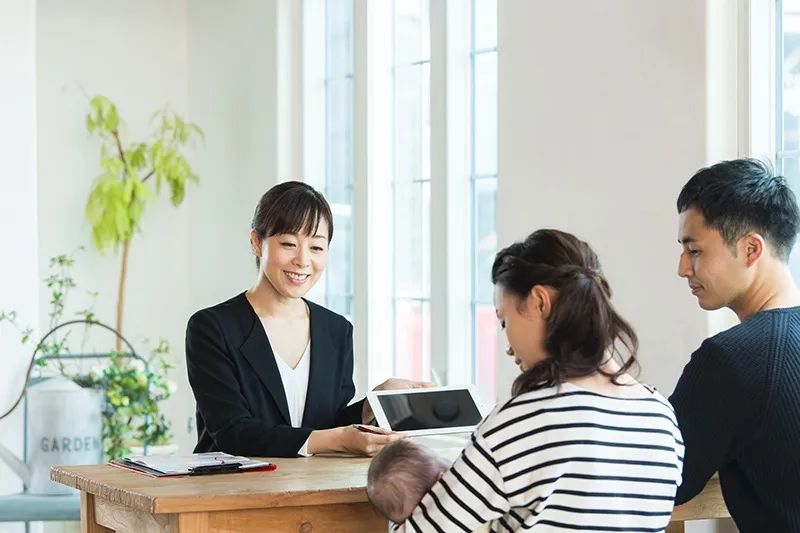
411	290
779	55
786	81
473	208
441	266
373	123
483	179
450	220
314	104
339	149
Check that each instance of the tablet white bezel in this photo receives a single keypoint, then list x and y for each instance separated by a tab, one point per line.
380	416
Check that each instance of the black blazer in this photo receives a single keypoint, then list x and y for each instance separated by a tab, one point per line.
241	402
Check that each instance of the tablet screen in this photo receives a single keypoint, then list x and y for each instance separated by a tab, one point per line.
430	410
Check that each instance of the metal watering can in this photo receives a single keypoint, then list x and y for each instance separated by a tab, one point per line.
64	427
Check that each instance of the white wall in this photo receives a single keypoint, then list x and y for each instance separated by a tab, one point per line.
233	94
18	220
135	53
596	137
234	67
602	119
216	63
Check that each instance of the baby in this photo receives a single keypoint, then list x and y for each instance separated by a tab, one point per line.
400	475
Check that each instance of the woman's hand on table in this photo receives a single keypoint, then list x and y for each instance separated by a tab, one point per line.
368	440
369	443
367	416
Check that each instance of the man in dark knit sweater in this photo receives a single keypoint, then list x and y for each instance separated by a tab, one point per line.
738	399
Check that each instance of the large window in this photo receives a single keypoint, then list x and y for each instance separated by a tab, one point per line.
769	127
329	153
400	132
483	188
787	98
787	132
411	189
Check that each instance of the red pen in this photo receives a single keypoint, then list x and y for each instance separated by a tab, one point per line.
367	429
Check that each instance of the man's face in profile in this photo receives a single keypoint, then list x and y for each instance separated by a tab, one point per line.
715	273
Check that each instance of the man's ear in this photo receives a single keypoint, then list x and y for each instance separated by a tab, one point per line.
754	248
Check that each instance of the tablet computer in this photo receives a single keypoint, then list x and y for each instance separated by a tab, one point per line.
428	411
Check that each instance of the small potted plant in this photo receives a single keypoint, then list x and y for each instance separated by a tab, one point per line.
131	176
133	386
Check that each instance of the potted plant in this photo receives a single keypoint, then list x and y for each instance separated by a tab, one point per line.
133	385
131	177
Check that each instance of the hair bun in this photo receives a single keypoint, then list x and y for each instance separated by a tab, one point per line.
583	273
597	277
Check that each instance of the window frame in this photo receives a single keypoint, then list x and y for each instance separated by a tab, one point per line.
316	146
754	63
450	163
474	177
419	300
759	67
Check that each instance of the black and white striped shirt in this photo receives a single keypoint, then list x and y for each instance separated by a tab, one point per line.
572	460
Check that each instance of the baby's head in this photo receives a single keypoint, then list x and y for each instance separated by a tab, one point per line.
399	477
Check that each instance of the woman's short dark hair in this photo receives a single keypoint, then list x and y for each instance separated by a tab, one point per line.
291	207
583	327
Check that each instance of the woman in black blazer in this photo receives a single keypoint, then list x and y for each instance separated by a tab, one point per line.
271	372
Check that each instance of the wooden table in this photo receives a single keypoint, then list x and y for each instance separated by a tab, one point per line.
706	505
306	495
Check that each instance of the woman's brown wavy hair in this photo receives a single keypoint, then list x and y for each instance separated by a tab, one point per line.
583	328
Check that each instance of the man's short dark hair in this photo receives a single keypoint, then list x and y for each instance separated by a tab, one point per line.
741	196
400	471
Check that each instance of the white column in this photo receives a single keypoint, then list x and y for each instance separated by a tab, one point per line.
19	281
372	207
451	342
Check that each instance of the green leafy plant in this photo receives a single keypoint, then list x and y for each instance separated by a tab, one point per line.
133	391
132	176
134	388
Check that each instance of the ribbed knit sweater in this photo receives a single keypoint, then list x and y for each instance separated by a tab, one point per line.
738	409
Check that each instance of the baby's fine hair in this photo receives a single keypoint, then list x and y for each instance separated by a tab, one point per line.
401	471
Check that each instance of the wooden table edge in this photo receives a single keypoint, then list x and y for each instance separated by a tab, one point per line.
87	486
709	504
181	504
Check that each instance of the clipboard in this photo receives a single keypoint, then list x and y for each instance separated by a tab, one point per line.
197	464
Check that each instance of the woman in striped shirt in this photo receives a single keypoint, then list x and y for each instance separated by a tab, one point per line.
581	445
